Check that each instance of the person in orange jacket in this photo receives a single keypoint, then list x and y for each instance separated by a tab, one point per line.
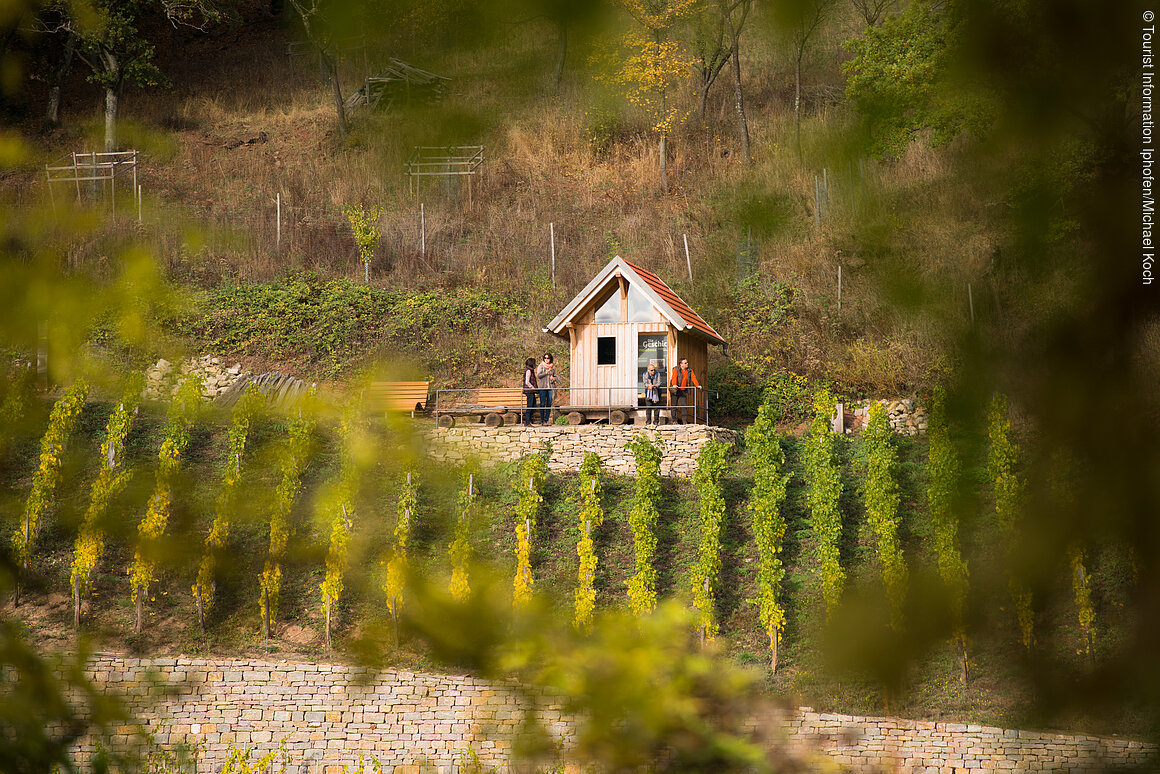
682	380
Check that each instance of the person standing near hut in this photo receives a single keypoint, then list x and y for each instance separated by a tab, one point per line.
683	379
530	389
546	382
652	394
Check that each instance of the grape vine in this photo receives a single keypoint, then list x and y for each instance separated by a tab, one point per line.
943	468
769	487
61	422
822	496
534	470
179	419
110	482
1002	458
642	585
591	517
205	585
460	550
710	467
338	509
294	457
882	509
396	575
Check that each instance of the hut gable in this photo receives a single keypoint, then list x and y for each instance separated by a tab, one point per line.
673	310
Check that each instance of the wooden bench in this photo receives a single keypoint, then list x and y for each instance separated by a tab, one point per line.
491	402
382	397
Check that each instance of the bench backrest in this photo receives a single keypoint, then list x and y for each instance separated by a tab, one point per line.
497	397
397	396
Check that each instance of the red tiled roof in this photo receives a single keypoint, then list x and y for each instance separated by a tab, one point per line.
674	301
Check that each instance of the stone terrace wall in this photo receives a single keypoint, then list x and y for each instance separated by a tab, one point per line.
682	444
868	744
328	715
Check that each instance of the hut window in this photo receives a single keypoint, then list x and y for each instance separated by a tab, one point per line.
640	309
609	311
606	349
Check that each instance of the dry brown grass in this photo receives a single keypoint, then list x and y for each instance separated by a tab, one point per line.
602	197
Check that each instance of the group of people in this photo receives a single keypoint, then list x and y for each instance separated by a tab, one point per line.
681	382
540	385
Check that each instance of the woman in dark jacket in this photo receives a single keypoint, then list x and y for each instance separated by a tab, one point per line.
530	390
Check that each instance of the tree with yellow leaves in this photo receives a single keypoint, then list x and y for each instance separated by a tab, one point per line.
651	64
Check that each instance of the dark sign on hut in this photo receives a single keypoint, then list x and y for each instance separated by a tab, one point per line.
625	318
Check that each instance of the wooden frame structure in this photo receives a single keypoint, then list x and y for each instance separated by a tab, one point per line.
624	318
93	168
450	161
398	78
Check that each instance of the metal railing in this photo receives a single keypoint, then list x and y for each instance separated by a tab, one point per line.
590	401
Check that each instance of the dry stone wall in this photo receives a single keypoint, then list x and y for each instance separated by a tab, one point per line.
870	744
327	715
682	444
905	416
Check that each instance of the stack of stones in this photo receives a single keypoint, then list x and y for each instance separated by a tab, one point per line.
161	382
904	416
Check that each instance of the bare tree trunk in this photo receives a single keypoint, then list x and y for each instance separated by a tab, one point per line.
961	647
328	622
200	608
774	641
138	625
708	78
561	53
664	162
52	111
111	97
797	102
76	603
738	93
265	613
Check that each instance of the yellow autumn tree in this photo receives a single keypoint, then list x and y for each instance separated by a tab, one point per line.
650	64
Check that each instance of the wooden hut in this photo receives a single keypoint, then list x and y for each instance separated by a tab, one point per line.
625	317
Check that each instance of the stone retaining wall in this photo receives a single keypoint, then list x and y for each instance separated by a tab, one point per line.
869	744
328	715
682	444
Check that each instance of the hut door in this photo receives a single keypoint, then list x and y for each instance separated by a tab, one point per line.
652	347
